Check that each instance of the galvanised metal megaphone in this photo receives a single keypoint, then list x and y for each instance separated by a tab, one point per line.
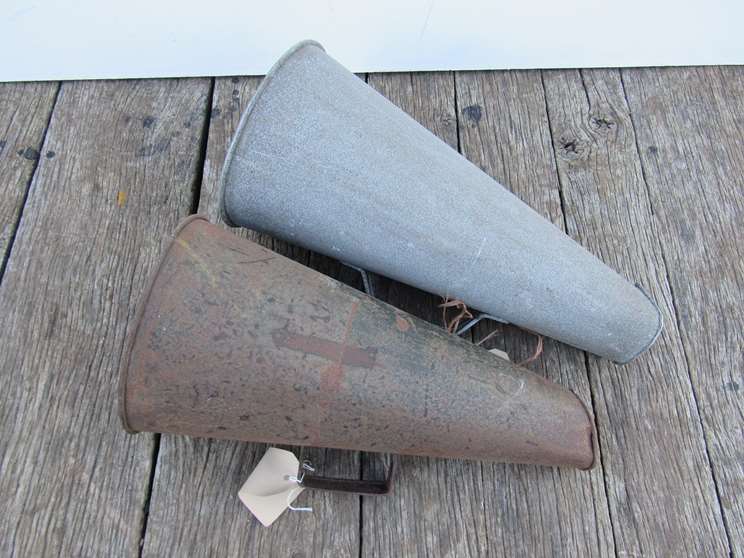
323	161
235	341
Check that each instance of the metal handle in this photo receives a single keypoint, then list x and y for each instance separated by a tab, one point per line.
353	486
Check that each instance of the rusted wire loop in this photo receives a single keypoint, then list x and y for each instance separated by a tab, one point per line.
451	325
489	336
478	319
366	278
538	350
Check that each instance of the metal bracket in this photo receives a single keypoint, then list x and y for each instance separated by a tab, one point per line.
352	486
477	319
366	278
307	479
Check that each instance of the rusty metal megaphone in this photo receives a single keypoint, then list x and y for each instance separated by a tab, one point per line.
235	341
322	160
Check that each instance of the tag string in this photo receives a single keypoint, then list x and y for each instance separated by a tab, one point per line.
290	497
306	466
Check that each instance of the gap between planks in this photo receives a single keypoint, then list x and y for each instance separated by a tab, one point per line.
17	223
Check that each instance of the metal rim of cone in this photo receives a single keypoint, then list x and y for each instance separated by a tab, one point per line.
659	329
265	82
593	438
139	313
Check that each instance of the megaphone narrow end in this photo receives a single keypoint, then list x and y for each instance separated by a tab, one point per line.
657	333
224	215
139	313
593	442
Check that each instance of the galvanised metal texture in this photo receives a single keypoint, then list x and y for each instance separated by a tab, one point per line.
323	161
235	341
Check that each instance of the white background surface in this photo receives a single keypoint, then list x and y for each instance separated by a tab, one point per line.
74	39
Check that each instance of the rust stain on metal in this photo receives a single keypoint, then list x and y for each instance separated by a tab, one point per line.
330	350
403	324
333	376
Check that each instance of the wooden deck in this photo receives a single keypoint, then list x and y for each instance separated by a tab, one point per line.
643	167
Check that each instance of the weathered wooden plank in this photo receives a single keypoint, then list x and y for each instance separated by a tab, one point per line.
231	97
194	508
690	128
126	156
437	506
661	493
25	109
531	511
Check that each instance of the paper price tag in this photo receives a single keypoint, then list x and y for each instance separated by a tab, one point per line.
268	490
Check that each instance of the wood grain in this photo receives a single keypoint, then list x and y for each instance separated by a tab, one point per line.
413	521
195	509
662	495
690	128
532	511
126	156
25	109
